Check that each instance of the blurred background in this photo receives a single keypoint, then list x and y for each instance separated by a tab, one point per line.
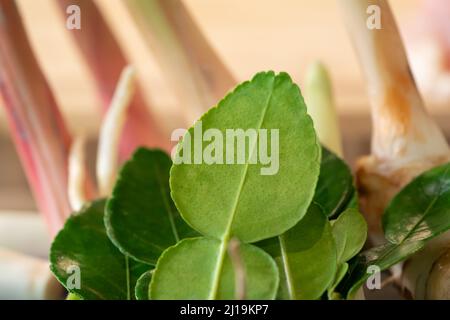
249	36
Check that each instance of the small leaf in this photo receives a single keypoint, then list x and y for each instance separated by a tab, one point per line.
322	107
141	218
418	213
82	245
353	202
335	186
421	210
340	274
306	257
143	286
382	257
350	233
188	271
73	296
236	200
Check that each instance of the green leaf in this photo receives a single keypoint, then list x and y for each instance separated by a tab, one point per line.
237	200
353	202
340	274
350	234
335	186
382	257
188	271
421	210
141	219
143	286
73	296
306	257
418	213
82	245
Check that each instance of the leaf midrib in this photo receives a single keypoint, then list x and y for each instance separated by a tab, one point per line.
287	270
226	236
427	210
396	245
127	272
166	204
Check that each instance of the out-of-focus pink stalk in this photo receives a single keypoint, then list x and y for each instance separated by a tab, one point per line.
193	69
106	60
436	13
37	127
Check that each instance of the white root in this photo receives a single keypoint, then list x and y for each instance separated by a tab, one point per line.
25	277
420	278
405	139
321	107
107	156
77	174
24	232
438	284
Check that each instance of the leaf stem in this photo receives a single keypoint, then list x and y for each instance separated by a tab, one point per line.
128	281
218	269
287	270
239	269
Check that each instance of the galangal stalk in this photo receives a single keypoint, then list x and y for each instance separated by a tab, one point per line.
37	127
106	61
42	142
195	72
405	139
